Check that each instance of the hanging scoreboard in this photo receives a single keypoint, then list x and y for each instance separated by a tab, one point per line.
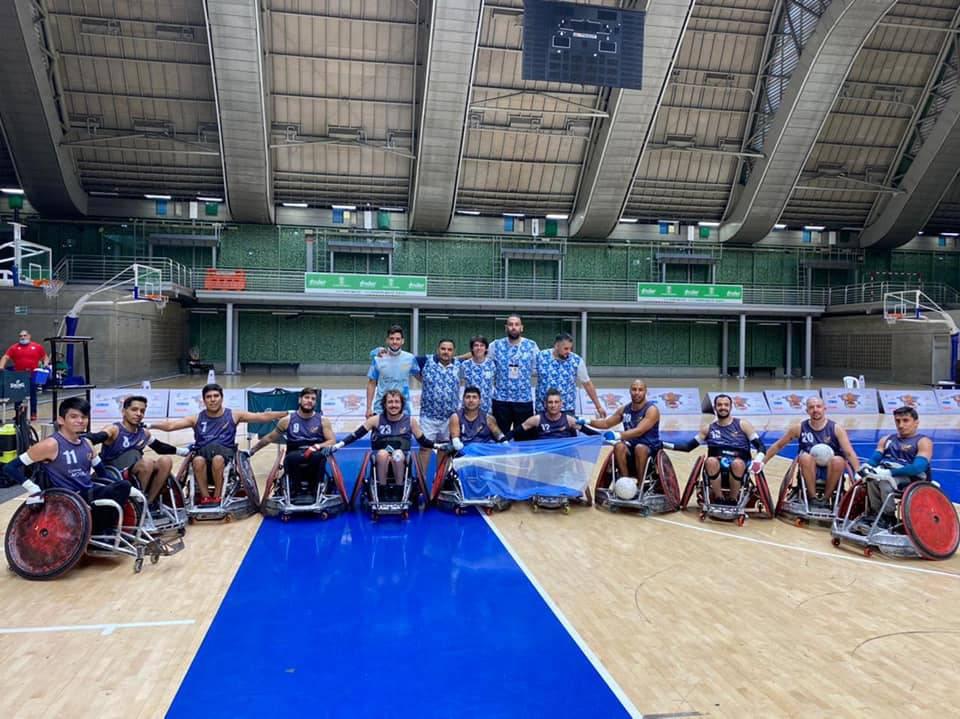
582	44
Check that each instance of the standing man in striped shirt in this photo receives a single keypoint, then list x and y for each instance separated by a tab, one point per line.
516	361
478	370
561	369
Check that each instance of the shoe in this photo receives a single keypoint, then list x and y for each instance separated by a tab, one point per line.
207	501
887	521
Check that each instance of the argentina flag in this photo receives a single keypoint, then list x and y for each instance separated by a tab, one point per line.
521	470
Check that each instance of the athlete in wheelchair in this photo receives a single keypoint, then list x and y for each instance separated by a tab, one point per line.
69	513
122	454
554	423
637	474
467	425
303	480
897	508
219	480
390	480
826	464
725	488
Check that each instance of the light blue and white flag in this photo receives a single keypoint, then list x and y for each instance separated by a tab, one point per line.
520	470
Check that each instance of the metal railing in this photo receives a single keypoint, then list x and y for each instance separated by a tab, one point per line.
873	292
95	269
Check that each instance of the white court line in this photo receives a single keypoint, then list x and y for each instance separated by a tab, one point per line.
574	634
817	552
104	629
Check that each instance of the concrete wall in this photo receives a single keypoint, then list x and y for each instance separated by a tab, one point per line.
903	352
131	342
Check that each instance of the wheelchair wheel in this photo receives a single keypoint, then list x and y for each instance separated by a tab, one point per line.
763	494
439	477
45	540
668	479
172	495
248	480
930	521
358	485
332	470
692	483
854	502
785	488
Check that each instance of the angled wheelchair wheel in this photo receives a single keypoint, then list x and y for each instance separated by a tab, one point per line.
785	488
333	470
46	539
930	521
361	476
692	482
763	494
668	479
441	474
854	502
249	481
172	495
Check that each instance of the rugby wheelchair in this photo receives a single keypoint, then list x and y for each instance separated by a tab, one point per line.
795	504
447	490
325	496
398	496
656	492
754	497
170	516
241	496
925	522
50	532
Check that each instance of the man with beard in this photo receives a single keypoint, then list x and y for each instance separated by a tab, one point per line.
729	441
553	422
815	430
302	429
561	368
516	360
471	424
390	368
640	438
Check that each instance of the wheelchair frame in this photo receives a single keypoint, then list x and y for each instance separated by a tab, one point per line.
370	492
452	498
754	496
241	496
927	520
793	500
647	501
281	504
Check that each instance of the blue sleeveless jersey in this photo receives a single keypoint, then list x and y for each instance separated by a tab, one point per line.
395	433
303	431
220	430
828	435
632	417
731	438
902	451
475	430
71	469
124	442
551	428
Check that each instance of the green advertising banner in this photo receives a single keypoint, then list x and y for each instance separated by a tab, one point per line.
365	284
689	292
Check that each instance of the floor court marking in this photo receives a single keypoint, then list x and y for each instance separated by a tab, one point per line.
565	623
104	629
805	550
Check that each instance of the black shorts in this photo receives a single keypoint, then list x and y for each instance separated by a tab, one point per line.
126	460
210	451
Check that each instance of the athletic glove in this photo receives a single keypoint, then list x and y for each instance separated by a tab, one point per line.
581	421
866	470
457	444
31	487
327	451
883	474
756	466
611	436
183	451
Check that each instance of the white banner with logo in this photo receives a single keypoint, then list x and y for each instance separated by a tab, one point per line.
922	400
744	403
840	400
789	401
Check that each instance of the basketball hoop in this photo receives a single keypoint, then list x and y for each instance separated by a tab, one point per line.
51	288
159	300
892	317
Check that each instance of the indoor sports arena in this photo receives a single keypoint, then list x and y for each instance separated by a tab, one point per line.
496	359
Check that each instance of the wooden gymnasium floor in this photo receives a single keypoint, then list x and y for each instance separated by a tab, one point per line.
687	618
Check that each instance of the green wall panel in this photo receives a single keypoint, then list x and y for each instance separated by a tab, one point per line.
209	334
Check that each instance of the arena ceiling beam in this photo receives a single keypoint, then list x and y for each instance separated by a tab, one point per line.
622	137
814	84
31	114
447	78
237	60
928	152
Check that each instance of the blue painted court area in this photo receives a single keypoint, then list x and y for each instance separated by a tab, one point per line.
350	618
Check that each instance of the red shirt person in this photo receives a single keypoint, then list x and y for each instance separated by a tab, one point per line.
25	356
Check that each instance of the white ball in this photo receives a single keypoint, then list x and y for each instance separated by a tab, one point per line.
626	488
822	454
